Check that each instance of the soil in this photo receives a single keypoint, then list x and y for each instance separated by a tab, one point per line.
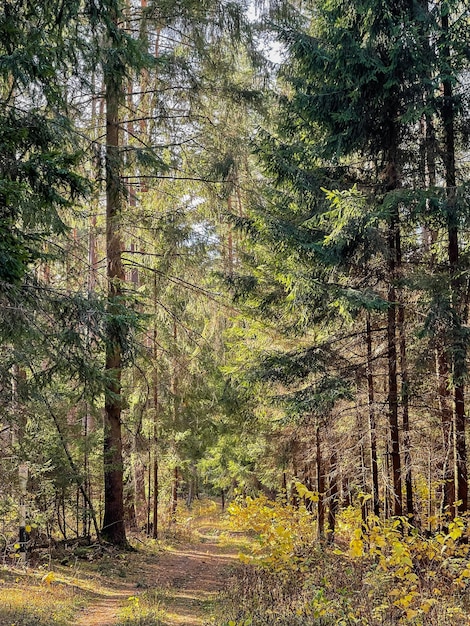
189	576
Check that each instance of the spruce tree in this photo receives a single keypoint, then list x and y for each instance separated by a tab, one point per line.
358	83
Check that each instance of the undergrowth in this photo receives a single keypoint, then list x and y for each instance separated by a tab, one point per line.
380	573
142	610
29	604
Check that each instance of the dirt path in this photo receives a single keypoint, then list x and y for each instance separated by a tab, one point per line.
192	575
104	611
187	577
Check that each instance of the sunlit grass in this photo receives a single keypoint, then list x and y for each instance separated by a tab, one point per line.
24	603
54	586
142	610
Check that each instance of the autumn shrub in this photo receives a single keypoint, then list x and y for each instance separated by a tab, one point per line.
415	577
282	533
379	573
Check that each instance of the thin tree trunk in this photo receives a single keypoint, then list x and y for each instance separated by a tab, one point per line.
372	424
174	494
140	498
442	359
333	498
360	433
156	485
17	434
405	394
394	253
320	487
387	507
459	347
156	488
176	404
447	430
87	428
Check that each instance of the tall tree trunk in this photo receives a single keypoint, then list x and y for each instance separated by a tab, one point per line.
442	357
394	253
447	430
405	394
362	455
113	523
18	380
393	400
372	423
156	406
459	347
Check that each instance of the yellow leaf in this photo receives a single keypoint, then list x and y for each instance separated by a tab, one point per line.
455	533
48	578
427	604
28	529
356	547
411	613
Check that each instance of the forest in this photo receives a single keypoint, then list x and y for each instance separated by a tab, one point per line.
234	293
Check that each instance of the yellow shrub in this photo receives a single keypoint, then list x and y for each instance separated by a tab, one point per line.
281	531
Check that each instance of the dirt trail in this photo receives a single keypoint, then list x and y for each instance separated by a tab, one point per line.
104	611
189	577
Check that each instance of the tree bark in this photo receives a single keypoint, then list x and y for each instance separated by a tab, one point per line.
113	523
392	370
447	430
333	497
320	487
156	406
458	343
174	494
372	424
405	394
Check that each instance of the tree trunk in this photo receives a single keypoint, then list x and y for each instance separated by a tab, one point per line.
405	392
459	347
442	359
447	430
320	487
174	494
140	498
156	485
372	424
113	523
333	498
394	253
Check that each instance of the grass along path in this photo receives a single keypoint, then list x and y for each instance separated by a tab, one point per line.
169	583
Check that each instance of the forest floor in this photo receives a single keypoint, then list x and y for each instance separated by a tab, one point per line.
170	583
184	580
